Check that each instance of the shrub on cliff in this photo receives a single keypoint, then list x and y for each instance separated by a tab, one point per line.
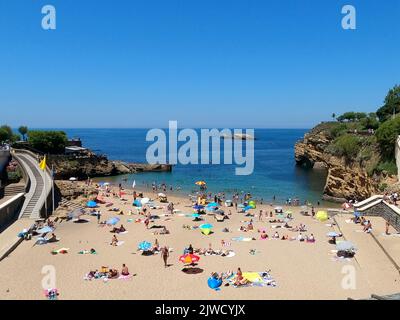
346	146
386	135
53	142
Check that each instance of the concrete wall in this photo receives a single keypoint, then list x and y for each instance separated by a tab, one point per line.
9	210
382	210
397	155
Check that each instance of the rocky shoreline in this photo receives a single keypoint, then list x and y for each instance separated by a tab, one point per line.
92	165
346	179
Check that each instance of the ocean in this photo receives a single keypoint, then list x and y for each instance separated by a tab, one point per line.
275	172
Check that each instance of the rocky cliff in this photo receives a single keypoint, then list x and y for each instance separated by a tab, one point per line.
92	165
346	179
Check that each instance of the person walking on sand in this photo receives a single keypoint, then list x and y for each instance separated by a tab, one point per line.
387	228
98	216
260	214
165	255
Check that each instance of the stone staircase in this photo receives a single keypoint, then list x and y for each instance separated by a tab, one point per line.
13	189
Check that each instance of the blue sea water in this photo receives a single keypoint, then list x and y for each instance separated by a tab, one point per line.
275	172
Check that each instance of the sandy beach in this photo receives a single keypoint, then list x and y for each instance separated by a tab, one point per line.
301	270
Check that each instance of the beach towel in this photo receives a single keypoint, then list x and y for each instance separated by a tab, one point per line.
122	277
60	251
256	279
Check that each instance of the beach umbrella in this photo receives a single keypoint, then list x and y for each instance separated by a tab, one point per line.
205	231
345	246
73	179
206	226
198	207
45	230
144	245
195	215
322	216
76	214
137	203
162	195
252	204
145	200
200	183
189	258
113	221
248	208
91	204
332	234
212	204
214	283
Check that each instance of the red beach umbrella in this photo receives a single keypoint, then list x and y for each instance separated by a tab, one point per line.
189	258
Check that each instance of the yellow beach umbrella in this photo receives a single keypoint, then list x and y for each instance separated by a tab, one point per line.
200	183
322	216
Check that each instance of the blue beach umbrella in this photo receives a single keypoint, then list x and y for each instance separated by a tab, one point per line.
91	204
195	215
137	203
248	208
213	204
214	283
113	221
206	226
198	207
144	245
345	246
45	230
332	234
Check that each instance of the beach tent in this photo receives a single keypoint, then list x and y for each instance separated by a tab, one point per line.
189	258
144	245
91	204
113	221
322	216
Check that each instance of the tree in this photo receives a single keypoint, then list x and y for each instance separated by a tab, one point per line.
333	116
391	104
48	141
3	135
23	130
386	135
8	131
347	116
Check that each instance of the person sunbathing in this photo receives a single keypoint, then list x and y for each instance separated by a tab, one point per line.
285	237
240	280
114	241
311	238
250	226
264	235
112	273
276	235
124	271
287	226
53	238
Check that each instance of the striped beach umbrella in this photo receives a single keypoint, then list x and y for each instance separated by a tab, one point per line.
189	258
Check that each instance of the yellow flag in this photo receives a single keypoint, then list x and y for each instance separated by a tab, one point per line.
42	164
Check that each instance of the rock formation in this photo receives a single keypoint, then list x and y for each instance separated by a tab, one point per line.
345	179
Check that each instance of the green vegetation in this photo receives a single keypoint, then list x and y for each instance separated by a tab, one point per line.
386	136
391	104
7	134
346	146
23	130
53	142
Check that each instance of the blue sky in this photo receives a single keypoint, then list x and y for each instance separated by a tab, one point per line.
205	63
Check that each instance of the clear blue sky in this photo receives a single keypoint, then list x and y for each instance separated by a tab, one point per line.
205	63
